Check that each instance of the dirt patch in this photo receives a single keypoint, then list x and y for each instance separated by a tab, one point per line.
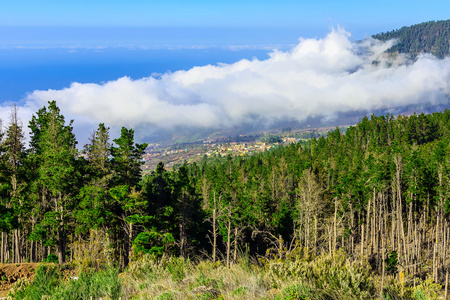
10	273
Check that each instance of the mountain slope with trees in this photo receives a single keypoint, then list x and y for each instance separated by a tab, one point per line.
428	37
360	214
380	191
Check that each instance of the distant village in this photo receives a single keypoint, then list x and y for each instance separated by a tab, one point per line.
175	155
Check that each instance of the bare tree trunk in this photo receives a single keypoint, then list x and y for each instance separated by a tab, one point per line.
352	233
130	240
335	224
2	249
307	235
18	258
183	224
214	232
362	239
435	249
13	248
229	243
61	245
126	245
280	246
235	244
446	285
32	251
368	226
382	269
182	241
315	235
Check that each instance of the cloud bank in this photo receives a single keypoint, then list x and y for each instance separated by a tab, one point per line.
316	78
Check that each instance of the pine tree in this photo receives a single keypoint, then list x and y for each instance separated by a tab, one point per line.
16	170
128	201
55	154
93	210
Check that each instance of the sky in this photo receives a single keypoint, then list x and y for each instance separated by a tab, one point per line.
166	65
53	21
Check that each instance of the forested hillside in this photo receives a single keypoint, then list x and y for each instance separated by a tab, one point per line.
429	37
378	192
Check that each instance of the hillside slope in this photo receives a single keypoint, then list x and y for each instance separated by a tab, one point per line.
428	37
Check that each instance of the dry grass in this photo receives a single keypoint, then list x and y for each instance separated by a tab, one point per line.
325	277
174	278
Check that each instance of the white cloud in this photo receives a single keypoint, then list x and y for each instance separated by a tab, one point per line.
317	77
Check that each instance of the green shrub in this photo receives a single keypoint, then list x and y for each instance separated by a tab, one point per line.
240	291
148	268
177	267
424	290
51	258
45	283
202	280
332	275
391	262
294	292
48	283
19	286
104	284
166	296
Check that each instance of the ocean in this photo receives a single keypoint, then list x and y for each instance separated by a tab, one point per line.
23	70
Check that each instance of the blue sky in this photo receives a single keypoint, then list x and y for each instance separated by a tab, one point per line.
85	20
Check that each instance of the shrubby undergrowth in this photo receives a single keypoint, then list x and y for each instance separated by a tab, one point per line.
293	275
51	283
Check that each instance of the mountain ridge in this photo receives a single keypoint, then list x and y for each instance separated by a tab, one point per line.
427	37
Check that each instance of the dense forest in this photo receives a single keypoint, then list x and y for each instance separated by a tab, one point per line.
380	192
429	37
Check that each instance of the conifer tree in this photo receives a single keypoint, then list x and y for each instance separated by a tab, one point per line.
128	201
55	154
93	210
15	165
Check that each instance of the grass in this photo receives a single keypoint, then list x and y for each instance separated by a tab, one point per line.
294	276
49	283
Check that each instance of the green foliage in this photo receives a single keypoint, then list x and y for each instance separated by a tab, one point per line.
51	258
8	219
153	242
19	286
272	139
268	202
429	37
328	275
126	160
427	289
166	296
294	292
49	283
177	267
391	262
423	289
45	283
202	280
104	284
54	152
240	291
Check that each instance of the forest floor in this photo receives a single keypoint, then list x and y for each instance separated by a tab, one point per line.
10	273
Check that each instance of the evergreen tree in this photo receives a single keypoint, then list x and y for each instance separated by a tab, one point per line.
16	170
127	199
94	210
55	153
